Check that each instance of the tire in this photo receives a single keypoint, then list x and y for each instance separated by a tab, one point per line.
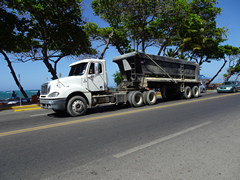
195	92
187	94
234	90
129	98
144	97
77	106
137	99
150	97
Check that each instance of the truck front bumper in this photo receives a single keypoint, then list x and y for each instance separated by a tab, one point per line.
56	104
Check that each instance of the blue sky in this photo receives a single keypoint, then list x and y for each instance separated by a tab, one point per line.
33	74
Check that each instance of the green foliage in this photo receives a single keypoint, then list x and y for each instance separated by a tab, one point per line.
117	78
56	28
12	31
119	38
233	57
188	26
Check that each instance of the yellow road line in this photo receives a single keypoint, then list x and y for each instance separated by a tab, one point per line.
19	107
106	116
27	109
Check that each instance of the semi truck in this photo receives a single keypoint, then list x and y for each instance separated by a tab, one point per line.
87	83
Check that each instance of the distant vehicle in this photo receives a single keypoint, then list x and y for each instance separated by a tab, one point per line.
229	86
202	88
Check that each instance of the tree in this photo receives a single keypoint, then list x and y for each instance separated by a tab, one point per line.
56	28
234	64
186	26
12	40
130	16
195	33
118	78
107	36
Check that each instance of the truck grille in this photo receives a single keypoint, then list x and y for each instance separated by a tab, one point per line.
45	88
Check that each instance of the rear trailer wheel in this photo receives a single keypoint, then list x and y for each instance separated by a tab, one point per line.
195	92
187	94
150	97
77	106
137	99
144	97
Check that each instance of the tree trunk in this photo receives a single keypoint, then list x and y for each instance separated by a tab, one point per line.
163	45
228	75
119	49
48	65
14	74
225	61
237	76
104	50
55	63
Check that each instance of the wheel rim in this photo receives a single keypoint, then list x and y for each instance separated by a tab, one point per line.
152	97
138	99
188	92
78	106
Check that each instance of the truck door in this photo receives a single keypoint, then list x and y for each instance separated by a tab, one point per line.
95	77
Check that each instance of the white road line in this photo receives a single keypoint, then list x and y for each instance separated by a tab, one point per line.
39	115
159	140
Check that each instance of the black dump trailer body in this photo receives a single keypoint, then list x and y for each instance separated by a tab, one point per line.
172	76
140	69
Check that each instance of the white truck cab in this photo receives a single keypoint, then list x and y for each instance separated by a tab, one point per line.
92	73
86	77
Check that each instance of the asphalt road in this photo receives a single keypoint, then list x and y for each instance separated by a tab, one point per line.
181	139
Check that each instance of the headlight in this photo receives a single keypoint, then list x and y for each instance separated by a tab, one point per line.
228	87
54	94
218	87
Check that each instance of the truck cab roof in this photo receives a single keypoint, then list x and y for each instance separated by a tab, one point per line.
84	61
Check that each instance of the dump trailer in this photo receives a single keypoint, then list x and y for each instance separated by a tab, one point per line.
87	84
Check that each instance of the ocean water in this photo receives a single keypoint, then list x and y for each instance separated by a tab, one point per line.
5	95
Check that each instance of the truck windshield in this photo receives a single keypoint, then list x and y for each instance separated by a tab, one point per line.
78	69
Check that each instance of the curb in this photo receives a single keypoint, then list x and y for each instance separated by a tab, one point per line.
20	107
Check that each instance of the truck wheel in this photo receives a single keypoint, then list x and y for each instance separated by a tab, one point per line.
195	92
187	94
129	98
137	99
77	106
144	97
150	97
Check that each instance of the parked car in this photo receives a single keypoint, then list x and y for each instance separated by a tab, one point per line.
229	86
202	88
